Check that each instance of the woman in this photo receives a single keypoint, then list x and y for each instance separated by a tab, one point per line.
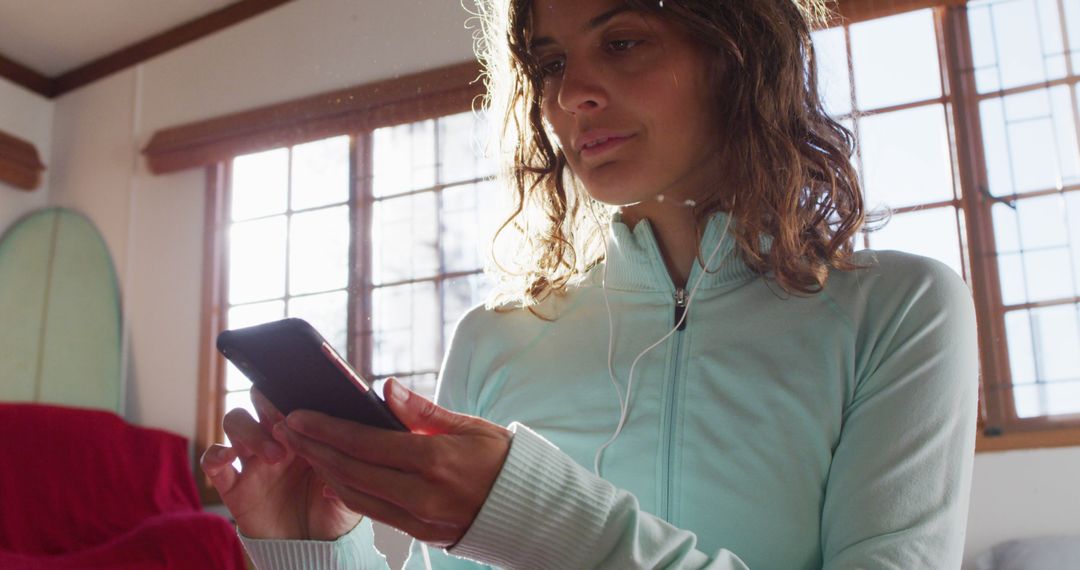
778	401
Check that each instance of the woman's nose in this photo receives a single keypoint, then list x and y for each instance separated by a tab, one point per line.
581	90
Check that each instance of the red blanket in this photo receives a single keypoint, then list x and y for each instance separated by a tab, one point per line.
84	489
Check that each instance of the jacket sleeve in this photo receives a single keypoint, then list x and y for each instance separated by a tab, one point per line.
546	511
355	549
898	489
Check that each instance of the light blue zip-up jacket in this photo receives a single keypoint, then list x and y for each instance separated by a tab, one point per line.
783	432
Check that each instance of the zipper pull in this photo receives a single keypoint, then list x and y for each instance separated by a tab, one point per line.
680	307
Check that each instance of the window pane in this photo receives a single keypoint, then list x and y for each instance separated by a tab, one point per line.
1021	349
1030	141
320	173
834	78
461	148
1013	280
906	157
1072	204
404	238
1072	21
257	260
1057	398
260	184
1043	267
405	328
319	250
460	236
1043	348
895	60
328	313
404	157
1015	42
930	233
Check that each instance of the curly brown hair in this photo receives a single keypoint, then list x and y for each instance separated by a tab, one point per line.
790	162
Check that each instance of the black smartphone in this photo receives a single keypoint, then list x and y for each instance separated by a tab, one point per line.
296	369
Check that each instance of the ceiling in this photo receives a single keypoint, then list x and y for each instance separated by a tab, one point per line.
52	37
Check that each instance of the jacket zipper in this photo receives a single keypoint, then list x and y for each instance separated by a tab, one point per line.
680	307
668	489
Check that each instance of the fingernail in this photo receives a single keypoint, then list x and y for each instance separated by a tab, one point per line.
273	451
398	393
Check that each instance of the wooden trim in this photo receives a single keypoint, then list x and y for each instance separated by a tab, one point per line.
20	165
402	100
365	204
21	75
1067	437
852	11
161	43
211	401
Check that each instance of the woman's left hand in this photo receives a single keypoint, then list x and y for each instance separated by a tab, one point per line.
429	483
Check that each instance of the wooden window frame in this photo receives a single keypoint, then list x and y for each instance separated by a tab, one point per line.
355	112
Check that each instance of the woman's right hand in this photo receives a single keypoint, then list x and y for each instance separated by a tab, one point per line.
276	494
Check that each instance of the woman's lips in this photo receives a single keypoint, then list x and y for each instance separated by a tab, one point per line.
604	147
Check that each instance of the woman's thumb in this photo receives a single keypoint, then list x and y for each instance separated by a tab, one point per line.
418	413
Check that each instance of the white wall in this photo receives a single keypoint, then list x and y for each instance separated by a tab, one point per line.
28	116
1022	494
154	224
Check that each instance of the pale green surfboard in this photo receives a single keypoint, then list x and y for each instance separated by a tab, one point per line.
59	313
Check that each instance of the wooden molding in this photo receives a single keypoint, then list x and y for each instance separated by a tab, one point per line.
134	54
1065	437
851	11
161	43
21	75
20	165
366	107
211	397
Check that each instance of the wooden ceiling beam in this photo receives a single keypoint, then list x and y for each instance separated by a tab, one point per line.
24	76
136	53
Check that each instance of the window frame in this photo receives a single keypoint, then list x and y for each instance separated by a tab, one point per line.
419	97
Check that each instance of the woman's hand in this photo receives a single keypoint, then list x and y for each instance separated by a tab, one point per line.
276	494
429	483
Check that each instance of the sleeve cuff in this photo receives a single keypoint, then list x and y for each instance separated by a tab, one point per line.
544	510
355	549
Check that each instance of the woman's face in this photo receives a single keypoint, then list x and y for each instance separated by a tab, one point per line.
626	96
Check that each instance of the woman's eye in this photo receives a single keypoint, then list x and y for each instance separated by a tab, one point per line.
622	45
553	67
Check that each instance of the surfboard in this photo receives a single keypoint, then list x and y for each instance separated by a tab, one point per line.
60	324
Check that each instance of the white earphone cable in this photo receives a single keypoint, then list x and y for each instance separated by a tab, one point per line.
624	403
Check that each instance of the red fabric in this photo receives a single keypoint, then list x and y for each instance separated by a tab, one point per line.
84	489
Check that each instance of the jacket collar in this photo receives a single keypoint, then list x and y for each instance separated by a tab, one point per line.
634	262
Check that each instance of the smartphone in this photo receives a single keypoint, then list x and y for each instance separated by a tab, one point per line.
296	369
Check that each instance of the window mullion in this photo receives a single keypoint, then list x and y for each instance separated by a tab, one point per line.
361	203
998	409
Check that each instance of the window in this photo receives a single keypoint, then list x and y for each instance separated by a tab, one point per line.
407	237
967	123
